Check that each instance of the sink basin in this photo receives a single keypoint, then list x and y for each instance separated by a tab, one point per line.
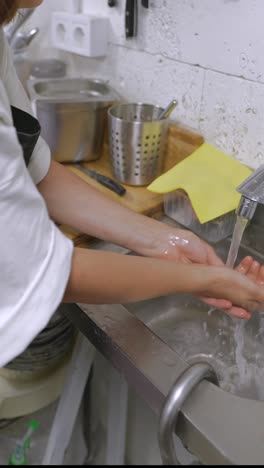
233	347
153	343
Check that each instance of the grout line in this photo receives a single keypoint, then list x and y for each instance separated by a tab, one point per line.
195	65
202	98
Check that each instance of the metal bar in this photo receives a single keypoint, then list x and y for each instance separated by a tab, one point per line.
131	347
117	420
69	403
179	393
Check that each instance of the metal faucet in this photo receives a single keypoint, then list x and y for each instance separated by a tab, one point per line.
16	39
19	42
252	191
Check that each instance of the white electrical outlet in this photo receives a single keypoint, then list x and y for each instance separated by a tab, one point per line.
81	34
61	30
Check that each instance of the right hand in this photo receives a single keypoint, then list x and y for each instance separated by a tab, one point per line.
244	291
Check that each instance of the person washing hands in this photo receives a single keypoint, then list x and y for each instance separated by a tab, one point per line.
40	267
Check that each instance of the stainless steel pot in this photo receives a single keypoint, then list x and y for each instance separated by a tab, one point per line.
73	114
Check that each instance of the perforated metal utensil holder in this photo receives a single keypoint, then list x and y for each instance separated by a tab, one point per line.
137	141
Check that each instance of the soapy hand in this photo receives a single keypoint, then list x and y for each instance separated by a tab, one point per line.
183	246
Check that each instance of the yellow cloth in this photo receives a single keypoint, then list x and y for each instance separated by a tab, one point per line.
209	177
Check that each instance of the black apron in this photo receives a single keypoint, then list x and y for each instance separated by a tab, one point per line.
28	131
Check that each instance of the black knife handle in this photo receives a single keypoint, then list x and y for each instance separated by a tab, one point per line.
130	17
110	184
102	179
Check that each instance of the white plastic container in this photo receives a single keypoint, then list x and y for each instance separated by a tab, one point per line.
177	206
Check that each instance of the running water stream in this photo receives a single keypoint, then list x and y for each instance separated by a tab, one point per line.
239	331
239	229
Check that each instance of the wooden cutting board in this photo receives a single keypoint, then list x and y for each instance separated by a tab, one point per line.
180	144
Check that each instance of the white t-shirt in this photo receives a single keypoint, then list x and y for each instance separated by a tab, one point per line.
35	257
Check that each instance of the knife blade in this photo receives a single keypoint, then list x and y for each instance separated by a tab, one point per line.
102	179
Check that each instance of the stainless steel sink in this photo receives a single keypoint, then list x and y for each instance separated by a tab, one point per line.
234	348
161	345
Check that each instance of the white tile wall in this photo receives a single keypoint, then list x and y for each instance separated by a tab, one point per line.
206	53
231	116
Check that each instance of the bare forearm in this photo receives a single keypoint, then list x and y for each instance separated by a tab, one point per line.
110	278
105	277
73	202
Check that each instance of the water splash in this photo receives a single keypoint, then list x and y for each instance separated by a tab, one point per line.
241	362
239	229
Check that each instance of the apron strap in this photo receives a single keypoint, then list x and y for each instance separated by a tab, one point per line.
28	131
